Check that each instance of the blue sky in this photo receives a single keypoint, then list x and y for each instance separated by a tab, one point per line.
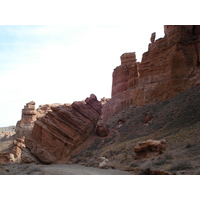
62	64
75	53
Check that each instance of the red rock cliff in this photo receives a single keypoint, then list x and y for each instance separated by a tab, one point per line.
170	66
126	75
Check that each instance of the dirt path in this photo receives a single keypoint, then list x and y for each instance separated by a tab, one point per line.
61	169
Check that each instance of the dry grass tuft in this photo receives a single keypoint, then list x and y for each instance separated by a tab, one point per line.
181	165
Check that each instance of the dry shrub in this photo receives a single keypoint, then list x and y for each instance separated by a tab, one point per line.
165	159
181	165
160	161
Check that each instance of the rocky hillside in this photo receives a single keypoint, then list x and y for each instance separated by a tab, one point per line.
155	99
175	120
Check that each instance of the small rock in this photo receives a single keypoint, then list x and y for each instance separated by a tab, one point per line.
103	162
102	130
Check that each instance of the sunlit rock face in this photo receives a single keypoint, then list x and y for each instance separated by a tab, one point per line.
30	115
170	66
63	129
25	125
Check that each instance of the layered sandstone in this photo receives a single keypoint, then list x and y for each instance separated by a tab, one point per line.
170	66
61	130
44	109
25	125
30	115
126	75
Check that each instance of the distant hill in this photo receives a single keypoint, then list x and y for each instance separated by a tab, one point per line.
8	128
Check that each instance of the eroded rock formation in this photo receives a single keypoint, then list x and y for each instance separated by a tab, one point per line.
6	157
61	130
25	125
126	75
17	149
15	154
149	148
30	115
170	66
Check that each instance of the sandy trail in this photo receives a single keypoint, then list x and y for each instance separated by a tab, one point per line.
56	169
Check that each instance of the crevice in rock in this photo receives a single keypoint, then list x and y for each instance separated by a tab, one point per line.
196	46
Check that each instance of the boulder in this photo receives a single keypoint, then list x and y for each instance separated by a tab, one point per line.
103	162
102	130
149	148
6	157
147	118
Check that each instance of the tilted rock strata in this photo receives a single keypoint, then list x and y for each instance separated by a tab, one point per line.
170	66
27	157
43	109
61	130
30	115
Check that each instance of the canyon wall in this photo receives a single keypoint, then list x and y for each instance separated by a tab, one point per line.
63	129
170	66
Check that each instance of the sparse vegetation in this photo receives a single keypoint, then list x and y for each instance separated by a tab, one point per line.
181	165
172	122
160	161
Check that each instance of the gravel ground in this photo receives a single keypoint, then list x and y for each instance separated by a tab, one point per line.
56	169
